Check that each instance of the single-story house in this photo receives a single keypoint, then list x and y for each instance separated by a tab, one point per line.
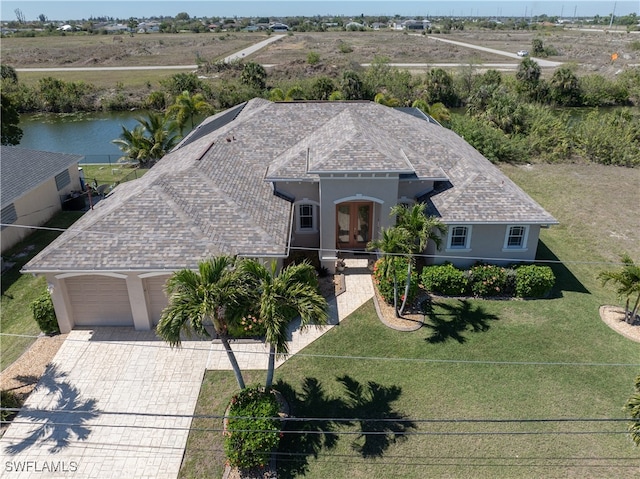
34	186
262	179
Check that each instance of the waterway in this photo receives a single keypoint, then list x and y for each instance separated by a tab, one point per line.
87	134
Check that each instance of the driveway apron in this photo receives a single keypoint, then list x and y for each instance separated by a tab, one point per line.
114	403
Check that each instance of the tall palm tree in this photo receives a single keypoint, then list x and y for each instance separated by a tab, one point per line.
186	107
419	230
277	298
628	281
392	242
197	297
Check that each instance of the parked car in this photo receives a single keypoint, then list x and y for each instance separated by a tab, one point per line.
523	53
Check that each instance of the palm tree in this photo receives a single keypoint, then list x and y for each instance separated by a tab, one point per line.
391	242
197	297
277	298
628	281
633	407
186	107
149	141
419	230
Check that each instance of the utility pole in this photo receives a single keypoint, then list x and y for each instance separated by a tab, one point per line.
612	14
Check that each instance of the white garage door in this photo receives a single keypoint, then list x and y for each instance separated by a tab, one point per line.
99	301
156	297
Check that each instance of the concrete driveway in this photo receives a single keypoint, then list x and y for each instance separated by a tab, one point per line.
115	403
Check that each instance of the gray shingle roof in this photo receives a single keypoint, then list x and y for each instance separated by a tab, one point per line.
209	196
24	169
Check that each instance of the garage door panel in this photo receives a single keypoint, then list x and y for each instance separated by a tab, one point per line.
99	301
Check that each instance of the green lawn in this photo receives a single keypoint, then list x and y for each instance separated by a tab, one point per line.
450	373
111	174
19	290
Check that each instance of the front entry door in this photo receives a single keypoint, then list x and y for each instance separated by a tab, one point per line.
354	225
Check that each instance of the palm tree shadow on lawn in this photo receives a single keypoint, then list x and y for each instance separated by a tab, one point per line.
450	321
364	406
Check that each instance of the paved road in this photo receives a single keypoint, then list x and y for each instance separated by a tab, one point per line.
539	61
252	49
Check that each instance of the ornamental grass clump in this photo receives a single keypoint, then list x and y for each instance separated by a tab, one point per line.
253	430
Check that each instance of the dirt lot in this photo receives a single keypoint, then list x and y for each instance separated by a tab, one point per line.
591	50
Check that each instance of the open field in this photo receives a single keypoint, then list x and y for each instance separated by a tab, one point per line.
595	225
590	50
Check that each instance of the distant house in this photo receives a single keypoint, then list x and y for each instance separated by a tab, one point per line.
34	185
263	179
416	25
279	27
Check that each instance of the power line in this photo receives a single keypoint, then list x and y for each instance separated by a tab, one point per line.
294	419
162	345
360	252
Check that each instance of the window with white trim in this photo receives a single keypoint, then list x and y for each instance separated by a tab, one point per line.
459	237
306	217
516	237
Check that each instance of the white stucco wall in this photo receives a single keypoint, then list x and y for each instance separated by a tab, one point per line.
36	207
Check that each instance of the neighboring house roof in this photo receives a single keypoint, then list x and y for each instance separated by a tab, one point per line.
24	169
213	194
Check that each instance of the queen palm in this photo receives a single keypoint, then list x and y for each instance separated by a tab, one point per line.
199	297
628	281
277	298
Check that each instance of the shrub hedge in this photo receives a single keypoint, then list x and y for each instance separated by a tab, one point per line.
534	281
45	314
252	432
445	279
528	281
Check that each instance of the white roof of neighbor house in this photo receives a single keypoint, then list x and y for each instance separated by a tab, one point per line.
213	194
23	169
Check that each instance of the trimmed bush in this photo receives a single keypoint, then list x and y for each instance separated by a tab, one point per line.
385	284
488	280
445	279
9	400
45	314
252	432
534	281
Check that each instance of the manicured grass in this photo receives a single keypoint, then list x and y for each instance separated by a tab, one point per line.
450	370
19	290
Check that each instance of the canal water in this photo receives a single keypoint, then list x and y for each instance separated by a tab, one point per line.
87	134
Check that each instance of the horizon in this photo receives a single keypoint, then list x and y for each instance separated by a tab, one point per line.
83	10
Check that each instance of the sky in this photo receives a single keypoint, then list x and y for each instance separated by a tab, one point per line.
85	9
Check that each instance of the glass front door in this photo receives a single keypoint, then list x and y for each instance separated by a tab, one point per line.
353	228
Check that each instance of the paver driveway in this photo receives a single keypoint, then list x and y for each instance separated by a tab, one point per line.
115	403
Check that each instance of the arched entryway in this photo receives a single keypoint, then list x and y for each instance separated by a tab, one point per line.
354	224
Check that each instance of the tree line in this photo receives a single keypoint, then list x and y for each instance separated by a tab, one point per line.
513	118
